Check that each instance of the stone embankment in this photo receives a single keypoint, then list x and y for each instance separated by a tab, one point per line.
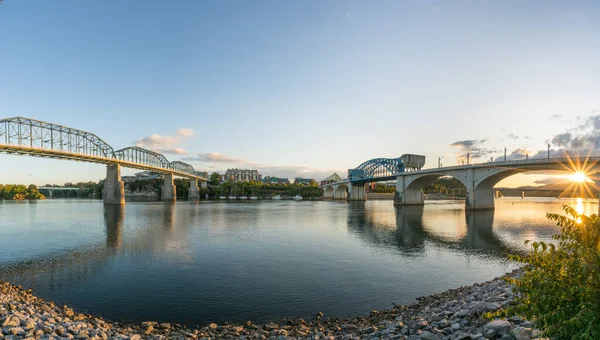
454	314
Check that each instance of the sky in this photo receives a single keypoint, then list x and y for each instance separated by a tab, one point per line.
303	88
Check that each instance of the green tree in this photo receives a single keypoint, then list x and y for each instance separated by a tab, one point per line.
215	178
560	289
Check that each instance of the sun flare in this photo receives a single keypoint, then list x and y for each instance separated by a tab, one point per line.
579	177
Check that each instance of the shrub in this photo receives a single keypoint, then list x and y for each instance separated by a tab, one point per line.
560	288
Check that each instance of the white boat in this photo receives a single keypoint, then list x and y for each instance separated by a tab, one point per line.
222	197
277	197
232	197
243	197
253	197
297	198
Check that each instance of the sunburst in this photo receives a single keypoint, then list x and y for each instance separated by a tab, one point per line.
582	180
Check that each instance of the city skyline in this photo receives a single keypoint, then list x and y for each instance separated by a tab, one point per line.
303	90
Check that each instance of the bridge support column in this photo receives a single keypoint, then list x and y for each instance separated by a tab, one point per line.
357	193
114	189
479	197
407	195
169	193
194	192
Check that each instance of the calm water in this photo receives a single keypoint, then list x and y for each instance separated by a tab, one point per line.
195	263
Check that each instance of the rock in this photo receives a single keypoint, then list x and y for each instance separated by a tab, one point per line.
149	330
349	327
271	325
11	322
422	324
456	326
484	307
135	337
521	333
462	336
212	326
501	327
428	336
489	334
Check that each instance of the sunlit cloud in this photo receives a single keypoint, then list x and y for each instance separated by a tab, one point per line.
165	144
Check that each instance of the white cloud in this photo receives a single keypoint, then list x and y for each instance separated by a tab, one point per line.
165	144
185	132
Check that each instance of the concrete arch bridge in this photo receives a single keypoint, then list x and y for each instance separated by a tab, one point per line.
26	136
478	179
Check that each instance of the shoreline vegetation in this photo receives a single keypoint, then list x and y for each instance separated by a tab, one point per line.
18	192
453	314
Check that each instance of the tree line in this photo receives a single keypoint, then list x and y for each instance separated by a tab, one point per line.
20	192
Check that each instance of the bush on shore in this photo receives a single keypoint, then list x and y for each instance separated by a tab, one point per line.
560	288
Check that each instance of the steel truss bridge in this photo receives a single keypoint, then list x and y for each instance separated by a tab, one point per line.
25	136
377	169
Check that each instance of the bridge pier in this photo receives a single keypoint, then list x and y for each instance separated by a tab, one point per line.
194	191
411	195
480	196
169	193
114	189
357	193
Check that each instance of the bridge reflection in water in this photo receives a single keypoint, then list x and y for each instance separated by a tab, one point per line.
408	230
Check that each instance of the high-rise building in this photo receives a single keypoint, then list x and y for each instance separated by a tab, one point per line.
240	175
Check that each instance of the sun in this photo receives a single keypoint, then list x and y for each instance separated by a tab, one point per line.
579	177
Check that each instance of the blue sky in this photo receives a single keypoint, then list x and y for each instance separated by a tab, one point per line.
301	88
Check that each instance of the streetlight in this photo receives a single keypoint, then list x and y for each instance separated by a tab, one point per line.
505	154
548	150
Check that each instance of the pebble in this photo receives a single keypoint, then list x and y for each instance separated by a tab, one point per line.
455	314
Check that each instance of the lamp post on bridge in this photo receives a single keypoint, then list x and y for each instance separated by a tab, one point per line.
468	158
548	150
505	154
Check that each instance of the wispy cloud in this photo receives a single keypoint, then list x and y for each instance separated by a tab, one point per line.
512	136
473	147
165	144
220	162
214	157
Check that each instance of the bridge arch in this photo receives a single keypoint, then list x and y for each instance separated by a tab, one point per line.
376	168
409	188
328	193
139	155
341	192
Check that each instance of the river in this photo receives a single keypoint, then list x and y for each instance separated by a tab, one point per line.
199	262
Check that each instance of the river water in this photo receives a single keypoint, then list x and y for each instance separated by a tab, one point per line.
194	263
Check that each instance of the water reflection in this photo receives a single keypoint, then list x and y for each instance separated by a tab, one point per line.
408	232
113	218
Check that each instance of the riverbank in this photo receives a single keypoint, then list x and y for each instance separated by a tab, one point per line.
454	314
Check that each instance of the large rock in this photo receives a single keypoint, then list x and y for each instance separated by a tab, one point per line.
501	327
428	336
521	333
484	307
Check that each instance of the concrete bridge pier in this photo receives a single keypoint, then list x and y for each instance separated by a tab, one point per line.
169	193
194	191
114	189
407	195
357	193
480	190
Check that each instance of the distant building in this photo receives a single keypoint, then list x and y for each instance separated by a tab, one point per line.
275	180
306	181
333	178
147	175
240	175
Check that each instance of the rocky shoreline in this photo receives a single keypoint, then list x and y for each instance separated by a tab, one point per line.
454	314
